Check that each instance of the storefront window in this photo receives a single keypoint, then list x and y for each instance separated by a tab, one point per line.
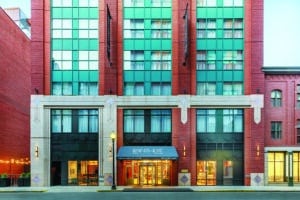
276	167
83	172
206	172
296	166
147	172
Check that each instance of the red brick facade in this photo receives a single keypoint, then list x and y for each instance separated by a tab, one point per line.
14	96
183	74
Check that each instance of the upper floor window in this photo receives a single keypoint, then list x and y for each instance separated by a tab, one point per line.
232	3
161	28
134	60
298	131
298	96
133	3
204	88
134	88
276	130
134	28
207	3
161	60
161	3
158	88
206	60
232	89
233	28
147	121
206	28
74	121
233	60
276	98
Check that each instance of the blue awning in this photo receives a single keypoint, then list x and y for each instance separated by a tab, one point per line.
147	152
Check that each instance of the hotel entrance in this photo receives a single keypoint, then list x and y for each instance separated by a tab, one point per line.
147	165
147	172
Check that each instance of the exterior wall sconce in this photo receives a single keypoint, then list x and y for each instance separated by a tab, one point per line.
36	151
257	150
184	151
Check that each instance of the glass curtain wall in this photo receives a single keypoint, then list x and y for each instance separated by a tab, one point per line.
147	28
74	47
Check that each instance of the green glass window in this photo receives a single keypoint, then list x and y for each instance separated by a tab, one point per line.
220	121
148	121
147	60
74	47
208	88
74	121
207	3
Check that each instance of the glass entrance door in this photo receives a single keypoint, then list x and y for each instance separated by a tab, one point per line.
147	175
206	172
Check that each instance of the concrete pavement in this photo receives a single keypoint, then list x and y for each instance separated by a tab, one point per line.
157	189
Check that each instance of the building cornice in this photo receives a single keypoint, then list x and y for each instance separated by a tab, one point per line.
284	70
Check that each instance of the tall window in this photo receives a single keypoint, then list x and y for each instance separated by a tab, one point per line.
74	121
233	121
134	121
275	167
276	130
276	98
219	120
160	121
296	166
147	121
206	121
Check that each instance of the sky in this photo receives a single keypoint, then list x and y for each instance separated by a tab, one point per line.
23	4
281	30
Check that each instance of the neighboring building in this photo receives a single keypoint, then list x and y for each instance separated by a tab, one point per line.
14	97
179	82
282	124
20	19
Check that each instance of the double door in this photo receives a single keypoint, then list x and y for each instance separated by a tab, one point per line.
147	175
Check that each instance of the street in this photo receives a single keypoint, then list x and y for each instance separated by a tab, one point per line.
150	195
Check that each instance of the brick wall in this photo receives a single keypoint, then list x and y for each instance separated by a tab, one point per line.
14	95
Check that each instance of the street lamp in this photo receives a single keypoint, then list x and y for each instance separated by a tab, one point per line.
113	137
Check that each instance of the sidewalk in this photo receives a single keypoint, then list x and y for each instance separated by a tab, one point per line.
156	189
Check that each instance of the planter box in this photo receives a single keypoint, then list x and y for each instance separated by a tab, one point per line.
4	182
23	182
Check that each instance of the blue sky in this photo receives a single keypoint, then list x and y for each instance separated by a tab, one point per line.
281	30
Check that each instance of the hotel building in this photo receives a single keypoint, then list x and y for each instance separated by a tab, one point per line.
178	82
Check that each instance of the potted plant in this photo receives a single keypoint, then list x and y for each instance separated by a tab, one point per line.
24	179
4	180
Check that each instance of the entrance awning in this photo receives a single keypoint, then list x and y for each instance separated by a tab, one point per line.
147	152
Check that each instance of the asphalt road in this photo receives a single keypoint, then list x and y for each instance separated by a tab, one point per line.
150	196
